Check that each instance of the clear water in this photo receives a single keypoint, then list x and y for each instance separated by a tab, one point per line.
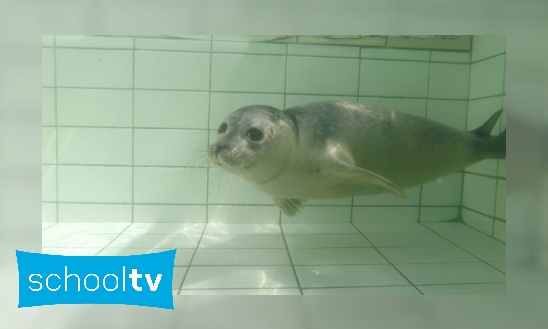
124	120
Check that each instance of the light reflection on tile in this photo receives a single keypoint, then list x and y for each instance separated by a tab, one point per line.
164	228
242	229
86	228
156	241
240	277
242	241
240	292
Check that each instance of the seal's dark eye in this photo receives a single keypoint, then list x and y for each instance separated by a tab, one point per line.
254	135
222	128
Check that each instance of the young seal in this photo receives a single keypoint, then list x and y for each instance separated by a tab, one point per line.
329	150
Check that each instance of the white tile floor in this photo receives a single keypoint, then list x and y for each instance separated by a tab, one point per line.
309	259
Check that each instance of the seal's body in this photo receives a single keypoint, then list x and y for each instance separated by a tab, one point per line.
329	150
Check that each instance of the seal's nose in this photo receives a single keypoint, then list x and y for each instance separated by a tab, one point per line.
219	148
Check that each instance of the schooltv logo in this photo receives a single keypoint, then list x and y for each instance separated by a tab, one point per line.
142	280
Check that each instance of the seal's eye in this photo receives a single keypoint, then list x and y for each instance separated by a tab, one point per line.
254	135
222	128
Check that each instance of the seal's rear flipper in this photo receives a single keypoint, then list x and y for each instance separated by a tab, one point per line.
491	147
290	207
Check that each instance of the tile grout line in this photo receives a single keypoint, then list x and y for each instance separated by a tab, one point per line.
208	134
257	205
290	258
498	161
56	131
221	91
207	172
192	258
485	262
353	287
393	266
466	126
280	41
285	77
133	138
318	55
425	116
485	215
116	237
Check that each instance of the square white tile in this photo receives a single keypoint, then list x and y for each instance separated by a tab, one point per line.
173	44
242	229
406	239
156	241
84	213
87	228
238	72
76	240
326	241
165	228
49	183
394	290
97	146
487	77
317	75
420	274
336	256
465	289
89	41
94	107
227	214
48	67
242	241
319	214
479	193
348	276
393	78
182	256
170	147
241	257
448	81
322	228
170	185
218	277
171	109
48	106
488	253
438	214
94	184
444	191
169	213
172	70
391	228
419	255
385	214
450	112
461	234
94	68
49	148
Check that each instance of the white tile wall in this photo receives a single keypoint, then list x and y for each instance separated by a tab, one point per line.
113	103
484	189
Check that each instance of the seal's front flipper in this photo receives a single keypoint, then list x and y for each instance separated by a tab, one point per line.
341	164
290	207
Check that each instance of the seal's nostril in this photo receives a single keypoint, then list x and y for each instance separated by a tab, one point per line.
219	148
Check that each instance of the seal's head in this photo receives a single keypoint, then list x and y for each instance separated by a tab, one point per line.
255	142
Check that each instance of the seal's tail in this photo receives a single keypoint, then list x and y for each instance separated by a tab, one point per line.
491	147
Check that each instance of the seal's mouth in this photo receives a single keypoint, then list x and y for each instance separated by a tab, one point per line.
225	159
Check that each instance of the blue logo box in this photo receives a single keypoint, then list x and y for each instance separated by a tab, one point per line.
142	280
